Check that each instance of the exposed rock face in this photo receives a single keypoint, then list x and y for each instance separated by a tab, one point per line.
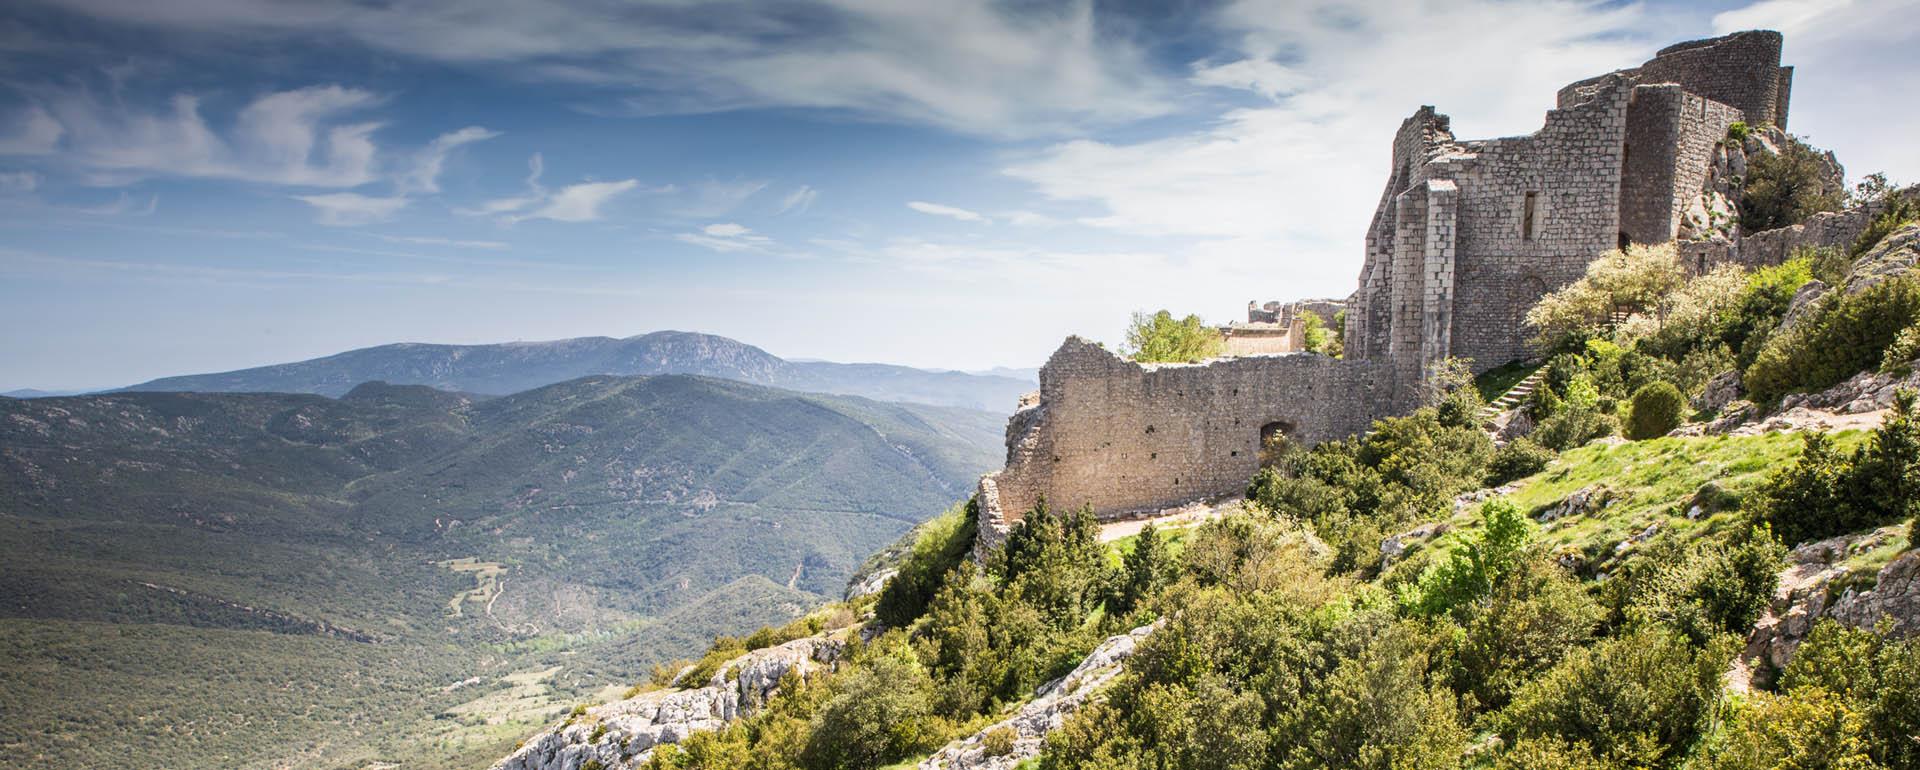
1804	300
1803	596
628	731
1052	704
1720	391
1893	257
1863	392
1582	502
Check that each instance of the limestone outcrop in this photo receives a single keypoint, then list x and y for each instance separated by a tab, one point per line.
1052	704
623	734
1806	594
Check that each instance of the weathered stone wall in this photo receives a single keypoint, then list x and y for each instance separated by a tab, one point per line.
1742	70
1669	149
1124	437
1833	229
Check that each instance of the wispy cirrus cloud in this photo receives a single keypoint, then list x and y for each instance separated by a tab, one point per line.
975	66
346	209
582	202
424	175
799	200
726	237
452	243
303	137
950	212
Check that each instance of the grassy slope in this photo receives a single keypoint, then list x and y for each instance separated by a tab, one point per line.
635	518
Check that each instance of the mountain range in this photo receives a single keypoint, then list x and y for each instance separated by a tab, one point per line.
283	578
500	369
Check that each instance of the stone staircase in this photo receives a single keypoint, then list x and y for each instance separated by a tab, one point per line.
1514	396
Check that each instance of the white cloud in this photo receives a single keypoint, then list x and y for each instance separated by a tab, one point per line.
349	209
726	237
977	66
424	175
1262	76
579	202
713	198
124	204
1855	65
419	240
34	133
1290	186
18	182
296	137
952	212
799	200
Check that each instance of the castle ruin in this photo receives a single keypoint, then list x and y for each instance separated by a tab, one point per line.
1468	235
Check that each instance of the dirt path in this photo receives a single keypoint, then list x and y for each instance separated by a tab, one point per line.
1183	516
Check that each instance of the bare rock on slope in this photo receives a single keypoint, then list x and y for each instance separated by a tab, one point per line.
622	735
1052	704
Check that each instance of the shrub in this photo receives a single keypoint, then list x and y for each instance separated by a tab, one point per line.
1657	409
879	713
1160	338
1761	305
1901	354
1314	335
1738	130
1815	731
1785	188
1847	334
1574	427
1902	209
1520	458
941	545
998	742
1144	570
1635	280
1639	698
1824	494
1878	679
1534	616
1474	567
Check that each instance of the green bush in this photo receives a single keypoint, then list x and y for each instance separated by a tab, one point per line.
1900	355
879	713
1825	494
1640	698
942	544
1574	427
1761	305
1160	338
1738	130
1877	678
1657	409
1520	458
1786	188
1473	568
1901	210
1846	335
1535	615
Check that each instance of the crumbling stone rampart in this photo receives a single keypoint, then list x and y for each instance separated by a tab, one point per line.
1467	236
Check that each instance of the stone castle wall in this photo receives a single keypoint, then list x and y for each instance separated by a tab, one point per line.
1466	237
1124	437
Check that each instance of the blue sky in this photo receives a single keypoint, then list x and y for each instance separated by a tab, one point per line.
201	185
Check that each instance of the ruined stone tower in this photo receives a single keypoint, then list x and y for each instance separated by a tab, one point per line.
1467	236
1470	234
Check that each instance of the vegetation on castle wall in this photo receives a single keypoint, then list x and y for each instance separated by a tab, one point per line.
1160	338
1785	188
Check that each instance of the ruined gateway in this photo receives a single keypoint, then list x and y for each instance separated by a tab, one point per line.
1467	236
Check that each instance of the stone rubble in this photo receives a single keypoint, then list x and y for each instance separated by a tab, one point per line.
1804	596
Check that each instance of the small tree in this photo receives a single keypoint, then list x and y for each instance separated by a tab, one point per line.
1657	408
1634	280
1785	188
1314	336
1160	338
1145	570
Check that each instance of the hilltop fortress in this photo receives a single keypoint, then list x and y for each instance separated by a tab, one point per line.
1468	235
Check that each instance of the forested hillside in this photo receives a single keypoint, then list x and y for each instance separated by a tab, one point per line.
193	580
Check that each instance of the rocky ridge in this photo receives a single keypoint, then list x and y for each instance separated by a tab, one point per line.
623	734
1050	707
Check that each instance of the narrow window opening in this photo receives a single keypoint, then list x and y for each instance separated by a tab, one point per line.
1527	213
1625	240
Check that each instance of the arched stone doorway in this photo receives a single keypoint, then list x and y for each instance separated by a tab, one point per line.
1275	438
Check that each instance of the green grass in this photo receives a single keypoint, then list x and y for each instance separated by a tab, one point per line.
1652	481
1494	383
1174	536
